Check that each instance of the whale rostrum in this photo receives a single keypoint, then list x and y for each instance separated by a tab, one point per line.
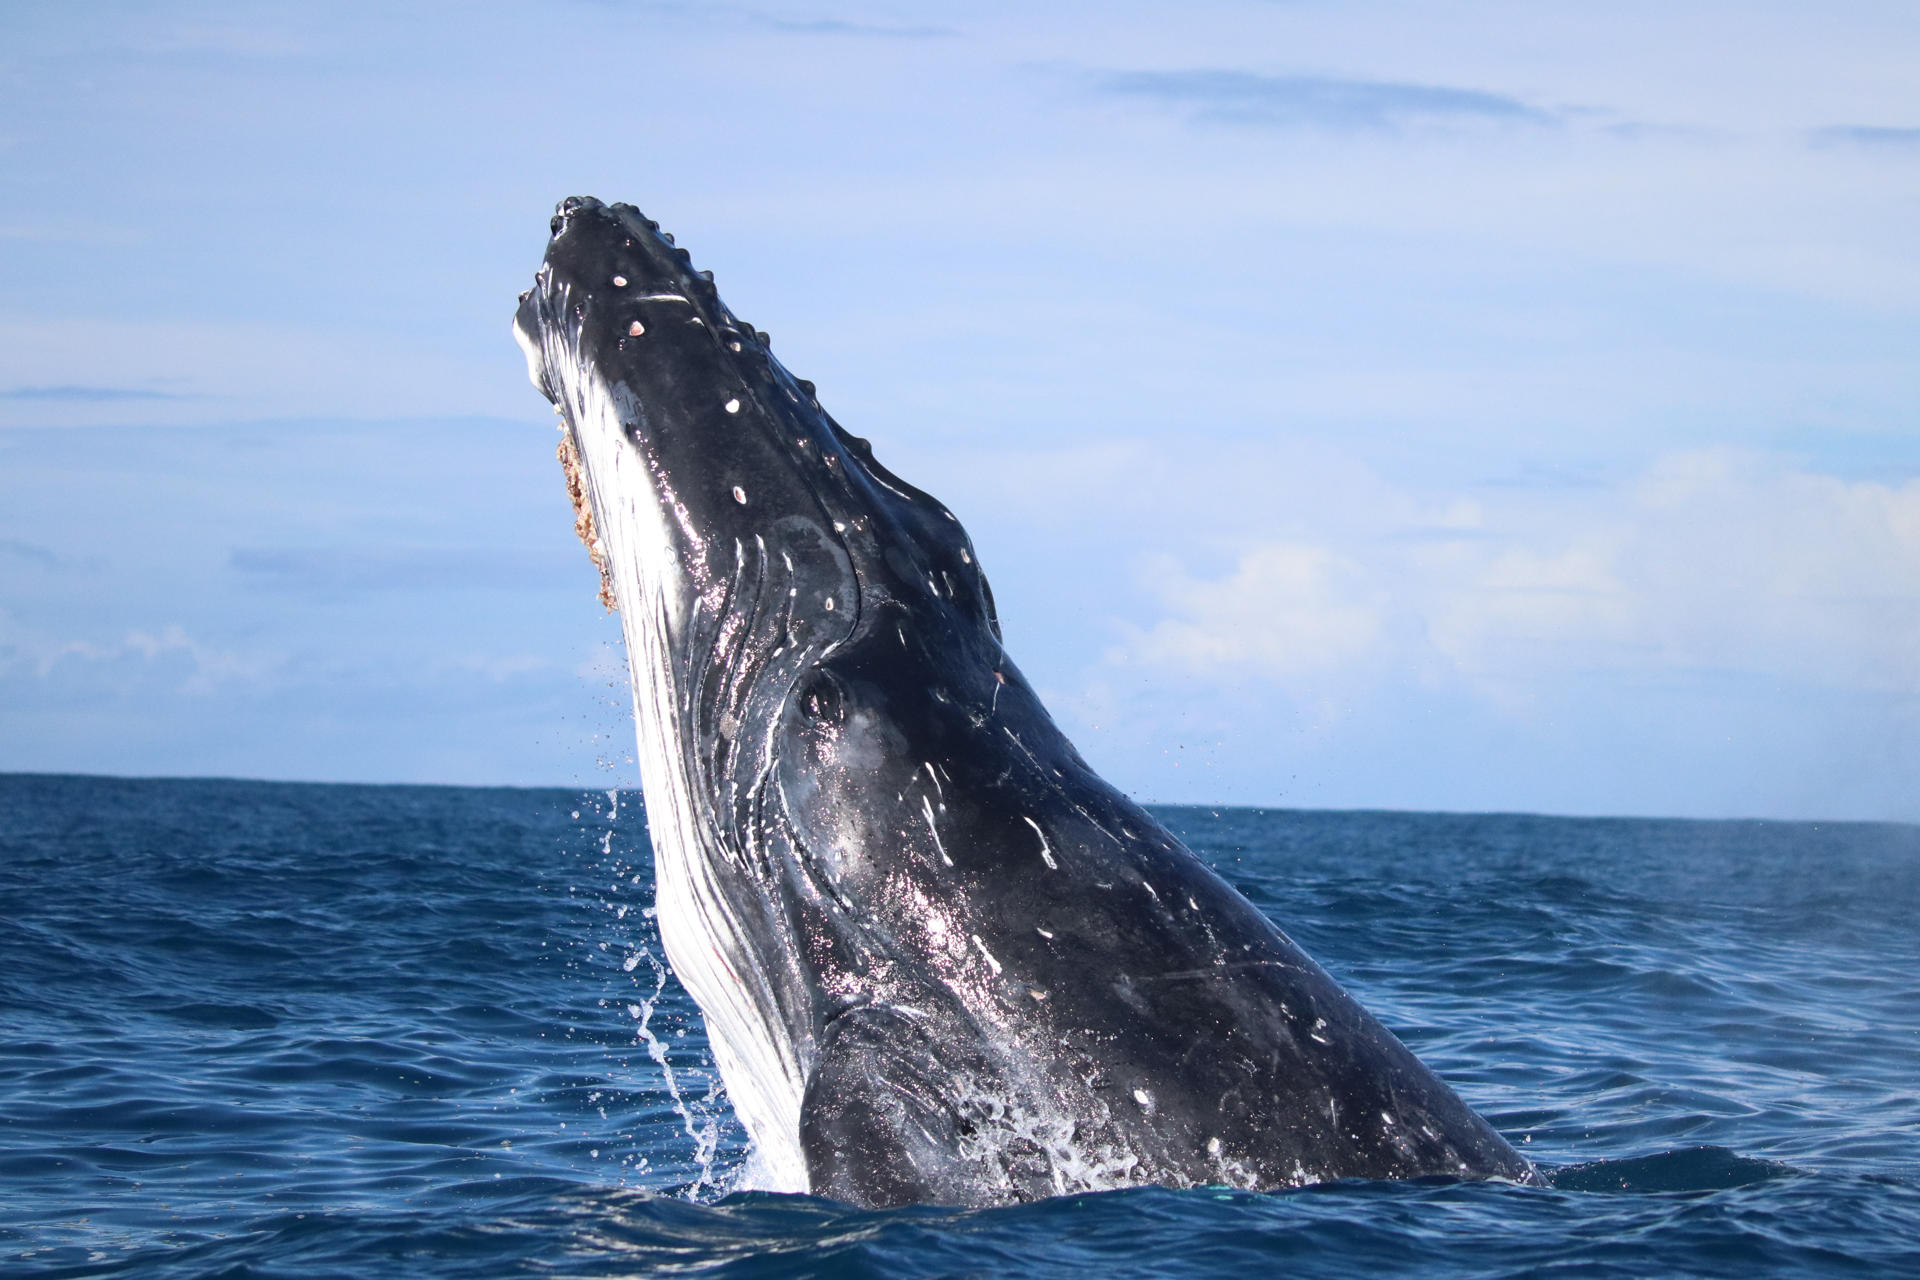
939	959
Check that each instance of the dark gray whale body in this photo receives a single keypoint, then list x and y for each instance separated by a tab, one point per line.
939	958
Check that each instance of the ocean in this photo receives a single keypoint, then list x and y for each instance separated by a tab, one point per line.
298	1030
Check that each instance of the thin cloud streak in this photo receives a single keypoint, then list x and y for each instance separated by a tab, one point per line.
413	569
31	552
841	27
1865	135
1218	96
88	395
807	26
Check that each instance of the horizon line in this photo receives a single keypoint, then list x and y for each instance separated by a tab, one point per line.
1355	810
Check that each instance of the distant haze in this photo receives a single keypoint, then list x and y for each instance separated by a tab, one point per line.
1474	406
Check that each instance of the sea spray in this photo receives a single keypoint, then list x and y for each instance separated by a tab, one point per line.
704	1129
660	1016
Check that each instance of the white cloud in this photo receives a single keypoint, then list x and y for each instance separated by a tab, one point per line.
1285	609
166	658
1707	562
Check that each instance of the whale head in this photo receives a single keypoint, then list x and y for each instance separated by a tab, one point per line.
704	438
939	958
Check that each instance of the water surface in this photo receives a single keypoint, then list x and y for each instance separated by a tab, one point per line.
262	1029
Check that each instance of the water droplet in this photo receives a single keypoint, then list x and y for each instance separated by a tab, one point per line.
740	496
619	282
635	329
829	604
733	406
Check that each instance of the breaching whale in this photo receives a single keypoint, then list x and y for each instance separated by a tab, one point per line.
939	959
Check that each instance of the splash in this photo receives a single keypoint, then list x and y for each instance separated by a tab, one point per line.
663	1027
703	1126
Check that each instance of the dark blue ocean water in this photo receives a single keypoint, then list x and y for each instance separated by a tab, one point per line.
252	1029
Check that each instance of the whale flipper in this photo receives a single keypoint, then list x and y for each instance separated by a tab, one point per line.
879	1124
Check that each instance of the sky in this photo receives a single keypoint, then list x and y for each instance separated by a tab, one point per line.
1462	406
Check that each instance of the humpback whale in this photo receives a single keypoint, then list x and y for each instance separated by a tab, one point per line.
939	959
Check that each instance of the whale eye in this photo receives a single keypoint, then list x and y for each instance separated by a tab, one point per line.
823	699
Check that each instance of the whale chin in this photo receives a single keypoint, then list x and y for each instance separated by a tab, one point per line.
529	345
939	958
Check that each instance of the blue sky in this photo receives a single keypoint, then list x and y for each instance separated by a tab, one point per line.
1460	406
